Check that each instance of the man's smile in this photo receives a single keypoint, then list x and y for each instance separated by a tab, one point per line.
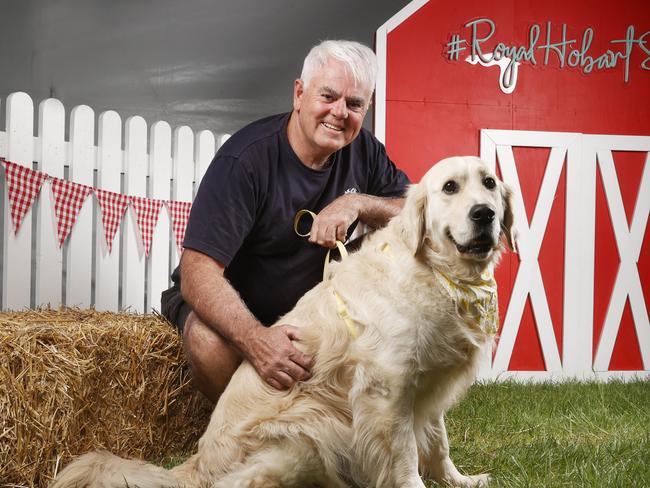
332	127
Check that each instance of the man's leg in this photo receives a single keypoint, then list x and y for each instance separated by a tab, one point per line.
212	360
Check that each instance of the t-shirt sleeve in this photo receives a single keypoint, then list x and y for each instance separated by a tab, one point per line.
224	209
386	179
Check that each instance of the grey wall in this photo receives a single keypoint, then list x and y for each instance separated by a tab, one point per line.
209	64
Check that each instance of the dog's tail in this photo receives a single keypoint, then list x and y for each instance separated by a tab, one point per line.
101	469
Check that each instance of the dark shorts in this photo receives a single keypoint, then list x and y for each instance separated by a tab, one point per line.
174	308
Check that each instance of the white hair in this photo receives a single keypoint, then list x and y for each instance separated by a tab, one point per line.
359	59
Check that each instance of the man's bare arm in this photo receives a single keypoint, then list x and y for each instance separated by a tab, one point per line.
332	223
219	306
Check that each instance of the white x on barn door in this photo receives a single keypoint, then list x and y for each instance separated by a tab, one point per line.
528	282
628	241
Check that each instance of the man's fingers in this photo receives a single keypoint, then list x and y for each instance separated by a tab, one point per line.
276	384
292	332
304	361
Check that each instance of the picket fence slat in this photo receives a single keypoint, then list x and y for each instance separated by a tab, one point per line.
16	290
135	168
49	256
160	175
78	247
205	149
109	168
183	172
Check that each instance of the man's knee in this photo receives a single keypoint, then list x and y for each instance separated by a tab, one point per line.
212	360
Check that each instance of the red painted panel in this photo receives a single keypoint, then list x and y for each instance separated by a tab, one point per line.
455	99
505	275
551	260
626	355
531	166
644	268
527	354
629	169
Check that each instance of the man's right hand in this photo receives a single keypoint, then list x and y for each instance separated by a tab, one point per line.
271	352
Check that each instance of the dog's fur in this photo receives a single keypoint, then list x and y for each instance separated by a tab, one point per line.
372	413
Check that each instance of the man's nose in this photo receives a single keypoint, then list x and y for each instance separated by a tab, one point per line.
340	108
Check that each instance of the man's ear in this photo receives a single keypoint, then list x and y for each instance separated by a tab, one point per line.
414	217
298	90
508	224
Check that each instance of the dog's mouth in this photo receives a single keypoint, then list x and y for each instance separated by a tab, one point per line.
478	246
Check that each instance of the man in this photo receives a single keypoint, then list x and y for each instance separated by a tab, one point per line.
243	265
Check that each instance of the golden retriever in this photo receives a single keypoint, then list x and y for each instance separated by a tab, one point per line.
396	330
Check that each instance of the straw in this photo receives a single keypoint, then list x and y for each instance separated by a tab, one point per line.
76	380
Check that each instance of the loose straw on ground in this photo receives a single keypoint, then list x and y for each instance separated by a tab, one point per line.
75	380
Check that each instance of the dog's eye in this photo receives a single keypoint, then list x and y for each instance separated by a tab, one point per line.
450	187
489	183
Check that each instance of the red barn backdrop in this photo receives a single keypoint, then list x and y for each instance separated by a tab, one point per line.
556	95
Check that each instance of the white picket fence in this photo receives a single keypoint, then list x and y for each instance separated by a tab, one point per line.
150	162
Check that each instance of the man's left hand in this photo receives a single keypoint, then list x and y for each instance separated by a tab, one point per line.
333	222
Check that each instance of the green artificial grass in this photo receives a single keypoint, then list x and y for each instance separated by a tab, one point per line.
552	435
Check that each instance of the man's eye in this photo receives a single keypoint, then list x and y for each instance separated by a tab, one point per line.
356	106
489	183
450	187
327	97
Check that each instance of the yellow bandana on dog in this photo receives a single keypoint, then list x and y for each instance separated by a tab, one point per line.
476	298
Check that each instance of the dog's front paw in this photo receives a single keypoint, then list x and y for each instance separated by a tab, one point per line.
478	480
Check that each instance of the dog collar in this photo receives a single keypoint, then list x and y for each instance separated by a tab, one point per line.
477	298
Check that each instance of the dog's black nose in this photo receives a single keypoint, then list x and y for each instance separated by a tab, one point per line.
481	214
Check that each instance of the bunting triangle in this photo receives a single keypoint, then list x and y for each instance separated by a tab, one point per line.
112	206
69	197
23	185
146	212
180	213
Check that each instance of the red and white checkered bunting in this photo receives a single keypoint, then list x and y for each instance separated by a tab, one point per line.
146	211
69	197
180	213
23	184
112	206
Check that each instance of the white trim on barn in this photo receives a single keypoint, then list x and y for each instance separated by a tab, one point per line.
381	38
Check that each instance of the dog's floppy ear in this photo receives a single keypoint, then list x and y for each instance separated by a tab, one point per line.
414	217
507	226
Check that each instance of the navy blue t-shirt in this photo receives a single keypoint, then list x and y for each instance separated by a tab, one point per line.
244	209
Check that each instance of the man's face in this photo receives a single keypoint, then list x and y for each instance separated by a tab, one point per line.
330	110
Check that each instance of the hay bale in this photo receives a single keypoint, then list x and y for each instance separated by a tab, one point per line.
76	380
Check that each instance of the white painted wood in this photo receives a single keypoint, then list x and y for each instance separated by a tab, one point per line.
17	255
183	172
205	150
160	174
629	241
3	141
109	167
49	256
381	37
529	279
221	140
580	236
78	246
534	377
135	169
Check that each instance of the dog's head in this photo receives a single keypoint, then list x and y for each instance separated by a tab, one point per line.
460	210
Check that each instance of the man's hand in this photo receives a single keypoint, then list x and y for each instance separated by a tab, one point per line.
332	223
276	360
